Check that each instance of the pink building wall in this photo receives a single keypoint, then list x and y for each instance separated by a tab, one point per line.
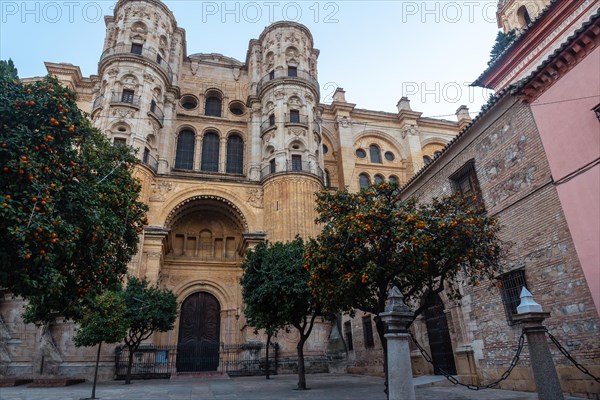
570	133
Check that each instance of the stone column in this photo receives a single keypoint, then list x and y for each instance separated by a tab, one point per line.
397	317
544	372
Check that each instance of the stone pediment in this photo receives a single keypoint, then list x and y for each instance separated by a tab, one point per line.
215	58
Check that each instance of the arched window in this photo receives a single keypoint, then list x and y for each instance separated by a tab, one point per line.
364	181
210	152
426	160
524	18
378	179
213	106
186	142
235	155
393	180
327	179
375	154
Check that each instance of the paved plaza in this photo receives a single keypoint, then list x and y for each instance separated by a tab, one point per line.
280	387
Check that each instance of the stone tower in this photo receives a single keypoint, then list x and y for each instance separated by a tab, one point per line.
518	14
283	76
138	76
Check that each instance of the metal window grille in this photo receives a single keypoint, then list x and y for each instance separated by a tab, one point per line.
136	48
464	181
368	332
210	152
186	142
127	96
235	155
348	335
375	154
511	284
213	106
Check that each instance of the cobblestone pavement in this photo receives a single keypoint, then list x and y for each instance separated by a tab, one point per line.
281	387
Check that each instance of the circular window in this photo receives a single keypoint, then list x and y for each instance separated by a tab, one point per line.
389	156
295	147
360	153
325	149
237	108
189	102
122	129
437	153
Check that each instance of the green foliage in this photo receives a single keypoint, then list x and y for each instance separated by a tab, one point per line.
503	41
103	321
275	292
372	241
69	210
275	286
8	69
149	309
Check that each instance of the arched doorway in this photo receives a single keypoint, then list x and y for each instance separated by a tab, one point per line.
199	333
439	338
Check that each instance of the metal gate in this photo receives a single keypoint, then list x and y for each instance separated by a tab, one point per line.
199	329
439	338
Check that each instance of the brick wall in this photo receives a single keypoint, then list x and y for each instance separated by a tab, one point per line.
517	188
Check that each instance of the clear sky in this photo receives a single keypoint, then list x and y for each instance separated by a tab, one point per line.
378	51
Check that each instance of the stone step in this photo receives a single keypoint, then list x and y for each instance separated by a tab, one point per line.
10	382
180	376
55	382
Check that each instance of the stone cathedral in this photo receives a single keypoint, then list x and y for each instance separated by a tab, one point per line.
231	154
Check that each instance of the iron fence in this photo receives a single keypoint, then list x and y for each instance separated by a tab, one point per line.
150	361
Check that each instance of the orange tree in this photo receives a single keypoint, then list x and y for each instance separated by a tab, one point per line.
276	293
372	241
70	218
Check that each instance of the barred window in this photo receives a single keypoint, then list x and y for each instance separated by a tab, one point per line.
464	181
210	152
213	106
363	181
368	332
348	335
184	157
375	154
235	155
511	284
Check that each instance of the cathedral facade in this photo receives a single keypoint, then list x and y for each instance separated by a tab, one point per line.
231	154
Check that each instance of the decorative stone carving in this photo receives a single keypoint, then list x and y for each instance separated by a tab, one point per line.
122	112
409	130
255	197
295	131
194	67
344	122
148	77
160	190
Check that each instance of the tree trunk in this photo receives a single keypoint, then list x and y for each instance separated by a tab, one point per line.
129	366
380	325
267	356
96	372
301	372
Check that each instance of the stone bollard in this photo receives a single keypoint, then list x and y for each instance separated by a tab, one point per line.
544	373
397	317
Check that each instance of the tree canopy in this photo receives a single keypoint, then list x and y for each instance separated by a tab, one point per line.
8	69
372	241
149	309
70	215
276	293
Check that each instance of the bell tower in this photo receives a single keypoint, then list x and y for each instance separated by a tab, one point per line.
518	14
138	76
285	123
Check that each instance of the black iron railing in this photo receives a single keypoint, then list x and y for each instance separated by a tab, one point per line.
266	125
157	112
150	161
125	98
151	361
146	53
281	74
292	166
297	119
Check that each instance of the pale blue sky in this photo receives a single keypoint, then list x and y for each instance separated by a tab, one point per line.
377	51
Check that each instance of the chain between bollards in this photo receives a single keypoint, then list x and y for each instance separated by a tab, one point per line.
570	358
455	381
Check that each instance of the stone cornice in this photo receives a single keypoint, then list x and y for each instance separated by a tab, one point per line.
562	61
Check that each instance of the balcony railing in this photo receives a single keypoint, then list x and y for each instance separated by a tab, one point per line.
281	74
296	119
146	53
125	98
266	125
157	112
150	161
97	103
309	167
